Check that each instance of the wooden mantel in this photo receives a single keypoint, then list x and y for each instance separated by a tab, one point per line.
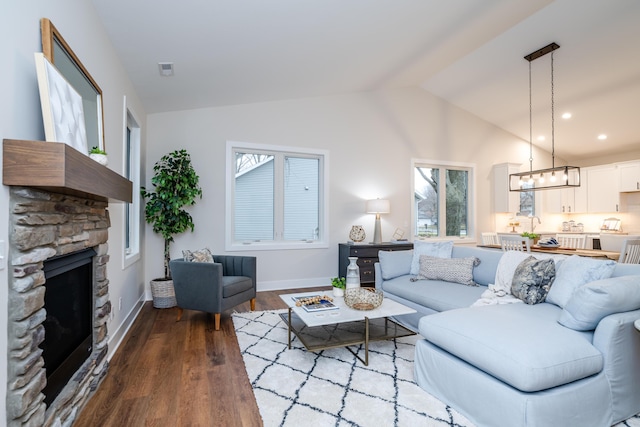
57	167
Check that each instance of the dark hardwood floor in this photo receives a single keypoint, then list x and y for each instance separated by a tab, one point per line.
168	373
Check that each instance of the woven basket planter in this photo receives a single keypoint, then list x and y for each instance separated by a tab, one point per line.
163	294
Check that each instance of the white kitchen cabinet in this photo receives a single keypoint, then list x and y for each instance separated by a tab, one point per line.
558	200
580	196
567	200
505	200
629	177
602	189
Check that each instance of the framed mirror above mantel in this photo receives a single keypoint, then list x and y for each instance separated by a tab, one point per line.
60	54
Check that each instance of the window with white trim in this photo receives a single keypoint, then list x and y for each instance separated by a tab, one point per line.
131	171
442	199
276	197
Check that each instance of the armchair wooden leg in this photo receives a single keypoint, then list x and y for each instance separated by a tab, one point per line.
253	304
216	319
180	311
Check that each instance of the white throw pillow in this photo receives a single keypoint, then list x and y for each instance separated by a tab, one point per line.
434	249
574	272
594	301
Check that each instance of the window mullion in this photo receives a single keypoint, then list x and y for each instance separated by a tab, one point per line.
278	206
442	203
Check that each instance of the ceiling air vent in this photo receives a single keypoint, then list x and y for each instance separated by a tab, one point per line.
166	68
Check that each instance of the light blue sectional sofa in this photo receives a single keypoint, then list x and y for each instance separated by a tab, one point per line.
516	364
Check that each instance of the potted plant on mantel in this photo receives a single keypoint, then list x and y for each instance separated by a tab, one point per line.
98	155
176	185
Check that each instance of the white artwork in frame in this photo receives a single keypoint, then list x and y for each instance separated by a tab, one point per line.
62	110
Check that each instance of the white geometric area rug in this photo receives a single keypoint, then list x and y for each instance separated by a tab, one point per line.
296	387
332	388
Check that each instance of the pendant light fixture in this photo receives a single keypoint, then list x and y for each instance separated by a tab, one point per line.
554	177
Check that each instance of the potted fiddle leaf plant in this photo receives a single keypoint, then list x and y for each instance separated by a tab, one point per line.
176	185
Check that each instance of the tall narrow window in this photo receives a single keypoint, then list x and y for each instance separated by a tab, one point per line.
442	199
131	171
275	197
527	201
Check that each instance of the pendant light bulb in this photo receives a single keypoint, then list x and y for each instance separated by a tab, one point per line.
553	177
541	179
530	180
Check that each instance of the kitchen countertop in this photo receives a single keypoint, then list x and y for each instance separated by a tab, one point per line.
591	253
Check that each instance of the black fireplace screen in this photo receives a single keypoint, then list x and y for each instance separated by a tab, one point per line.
68	327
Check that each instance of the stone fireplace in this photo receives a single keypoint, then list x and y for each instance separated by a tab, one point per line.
44	225
58	206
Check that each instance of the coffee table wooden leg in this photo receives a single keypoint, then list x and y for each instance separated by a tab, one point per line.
289	328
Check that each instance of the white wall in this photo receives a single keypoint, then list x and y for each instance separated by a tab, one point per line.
21	118
371	138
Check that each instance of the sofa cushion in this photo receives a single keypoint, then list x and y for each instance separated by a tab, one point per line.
522	345
485	272
436	249
594	301
437	295
455	270
395	263
532	280
233	285
622	269
574	272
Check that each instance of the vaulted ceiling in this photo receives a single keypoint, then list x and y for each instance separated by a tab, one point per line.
469	52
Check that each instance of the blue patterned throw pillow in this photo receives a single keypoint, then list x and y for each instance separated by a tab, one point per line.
533	279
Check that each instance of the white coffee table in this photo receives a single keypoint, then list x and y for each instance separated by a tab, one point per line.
345	326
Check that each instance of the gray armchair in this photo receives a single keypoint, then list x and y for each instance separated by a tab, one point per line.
214	287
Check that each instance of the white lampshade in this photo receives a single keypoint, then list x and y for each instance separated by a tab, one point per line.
378	206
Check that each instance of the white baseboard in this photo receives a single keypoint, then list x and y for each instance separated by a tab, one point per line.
116	338
277	285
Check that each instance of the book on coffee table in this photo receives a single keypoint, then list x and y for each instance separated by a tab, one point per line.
321	305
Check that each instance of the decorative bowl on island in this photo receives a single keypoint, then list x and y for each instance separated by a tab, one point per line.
363	298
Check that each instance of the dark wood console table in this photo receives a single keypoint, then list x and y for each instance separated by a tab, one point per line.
367	256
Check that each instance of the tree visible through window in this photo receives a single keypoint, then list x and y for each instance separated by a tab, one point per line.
441	197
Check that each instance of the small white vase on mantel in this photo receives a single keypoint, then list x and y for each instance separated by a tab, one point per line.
100	158
338	292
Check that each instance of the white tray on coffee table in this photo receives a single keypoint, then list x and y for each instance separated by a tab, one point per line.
343	327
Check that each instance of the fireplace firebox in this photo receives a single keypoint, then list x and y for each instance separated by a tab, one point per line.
69	322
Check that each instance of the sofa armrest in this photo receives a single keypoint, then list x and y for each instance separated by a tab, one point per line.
619	342
378	275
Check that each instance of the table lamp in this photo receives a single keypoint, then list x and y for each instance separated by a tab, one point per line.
378	206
